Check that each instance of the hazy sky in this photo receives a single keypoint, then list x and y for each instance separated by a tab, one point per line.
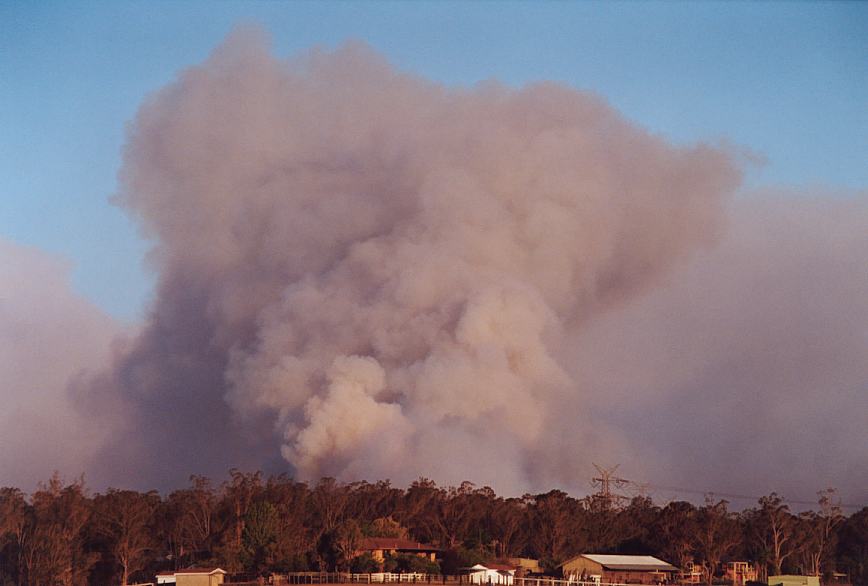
388	209
786	81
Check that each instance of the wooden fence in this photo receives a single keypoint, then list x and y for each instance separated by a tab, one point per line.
418	578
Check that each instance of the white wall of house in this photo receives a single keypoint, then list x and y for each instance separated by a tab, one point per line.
481	575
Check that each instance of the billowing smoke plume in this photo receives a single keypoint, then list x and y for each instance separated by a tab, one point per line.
379	271
369	275
48	336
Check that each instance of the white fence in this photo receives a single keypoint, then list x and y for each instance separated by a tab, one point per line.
433	579
384	577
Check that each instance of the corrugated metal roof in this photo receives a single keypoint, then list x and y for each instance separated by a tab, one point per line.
630	562
641	568
200	571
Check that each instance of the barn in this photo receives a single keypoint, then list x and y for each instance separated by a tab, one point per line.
193	577
618	569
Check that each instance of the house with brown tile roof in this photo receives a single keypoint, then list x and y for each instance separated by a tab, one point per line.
380	547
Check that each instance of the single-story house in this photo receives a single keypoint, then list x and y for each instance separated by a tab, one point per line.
491	573
193	577
379	547
620	569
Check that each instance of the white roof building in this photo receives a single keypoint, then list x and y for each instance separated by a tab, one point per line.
629	562
491	574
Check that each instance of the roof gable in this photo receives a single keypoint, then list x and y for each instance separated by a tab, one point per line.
492	566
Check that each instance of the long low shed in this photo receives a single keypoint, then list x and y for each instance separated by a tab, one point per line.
193	577
622	569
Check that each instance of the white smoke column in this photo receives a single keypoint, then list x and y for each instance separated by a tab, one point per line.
381	267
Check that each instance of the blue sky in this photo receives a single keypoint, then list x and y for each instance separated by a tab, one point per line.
788	81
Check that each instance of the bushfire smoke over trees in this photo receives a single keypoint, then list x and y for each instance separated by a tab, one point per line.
380	268
365	274
253	526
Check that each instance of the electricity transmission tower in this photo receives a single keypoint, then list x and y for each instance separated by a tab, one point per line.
610	485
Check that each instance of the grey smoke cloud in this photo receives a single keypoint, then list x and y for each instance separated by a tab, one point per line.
371	267
748	370
49	336
368	275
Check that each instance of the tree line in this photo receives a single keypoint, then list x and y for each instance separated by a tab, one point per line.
252	525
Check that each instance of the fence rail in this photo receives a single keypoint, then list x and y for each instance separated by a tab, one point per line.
416	578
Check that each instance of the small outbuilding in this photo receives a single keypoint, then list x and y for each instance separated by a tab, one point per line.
193	577
491	573
525	566
619	569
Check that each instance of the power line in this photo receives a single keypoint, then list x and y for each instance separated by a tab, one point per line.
680	489
607	481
